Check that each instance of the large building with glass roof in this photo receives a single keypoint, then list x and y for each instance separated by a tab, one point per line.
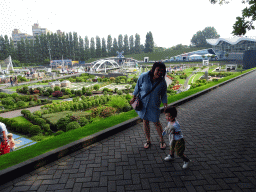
232	48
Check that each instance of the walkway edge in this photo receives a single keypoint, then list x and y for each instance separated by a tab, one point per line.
27	166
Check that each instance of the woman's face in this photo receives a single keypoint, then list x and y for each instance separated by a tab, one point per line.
158	72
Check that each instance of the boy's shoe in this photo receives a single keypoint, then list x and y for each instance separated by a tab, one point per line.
169	158
186	164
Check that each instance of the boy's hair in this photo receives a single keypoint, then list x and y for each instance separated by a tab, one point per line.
9	135
172	110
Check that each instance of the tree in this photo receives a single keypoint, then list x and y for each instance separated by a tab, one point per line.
115	47
92	48
149	44
126	45
131	42
244	23
86	48
76	47
21	50
120	43
109	45
98	47
137	43
81	49
6	47
199	39
104	48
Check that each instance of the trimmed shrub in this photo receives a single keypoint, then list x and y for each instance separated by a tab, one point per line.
21	104
107	112
35	130
83	121
62	123
72	125
32	103
57	88
46	127
38	113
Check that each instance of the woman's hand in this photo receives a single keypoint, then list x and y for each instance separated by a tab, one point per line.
165	106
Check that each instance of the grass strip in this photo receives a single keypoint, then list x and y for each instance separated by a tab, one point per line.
49	144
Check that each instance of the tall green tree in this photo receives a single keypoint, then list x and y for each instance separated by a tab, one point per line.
137	43
21	51
98	47
126	45
115	47
86	48
92	48
71	45
131	43
1	48
199	39
109	45
244	23
13	51
149	44
104	48
81	49
76	47
6	47
120	43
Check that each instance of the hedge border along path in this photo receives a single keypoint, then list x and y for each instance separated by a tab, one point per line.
51	154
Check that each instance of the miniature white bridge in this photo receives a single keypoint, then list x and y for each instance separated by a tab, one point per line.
104	65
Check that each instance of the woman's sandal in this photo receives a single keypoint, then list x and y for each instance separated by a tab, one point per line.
162	145
147	145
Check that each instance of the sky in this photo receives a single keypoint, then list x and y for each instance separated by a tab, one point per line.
171	22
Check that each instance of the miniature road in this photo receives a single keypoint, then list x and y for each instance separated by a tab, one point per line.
219	129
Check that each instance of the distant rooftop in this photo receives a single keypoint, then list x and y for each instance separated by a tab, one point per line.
232	41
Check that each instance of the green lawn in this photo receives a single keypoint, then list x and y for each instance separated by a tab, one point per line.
195	77
54	142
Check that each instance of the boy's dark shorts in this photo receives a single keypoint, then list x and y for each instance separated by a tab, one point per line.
179	147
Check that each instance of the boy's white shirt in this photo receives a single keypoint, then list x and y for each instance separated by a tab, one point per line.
169	129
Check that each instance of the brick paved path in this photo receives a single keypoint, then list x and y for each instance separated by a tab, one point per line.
219	128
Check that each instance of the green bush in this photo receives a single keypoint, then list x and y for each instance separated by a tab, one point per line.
46	127
21	104
119	92
56	88
72	125
83	121
35	130
8	101
96	87
88	93
32	103
62	123
38	113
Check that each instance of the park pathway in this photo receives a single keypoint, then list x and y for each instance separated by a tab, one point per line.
219	129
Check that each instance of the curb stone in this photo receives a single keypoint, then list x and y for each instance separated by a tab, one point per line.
27	166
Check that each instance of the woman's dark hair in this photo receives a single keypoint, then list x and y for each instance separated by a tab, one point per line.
172	110
161	65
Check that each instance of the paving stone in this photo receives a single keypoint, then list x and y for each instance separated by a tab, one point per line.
221	160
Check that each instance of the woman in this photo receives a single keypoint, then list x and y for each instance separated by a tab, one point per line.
151	103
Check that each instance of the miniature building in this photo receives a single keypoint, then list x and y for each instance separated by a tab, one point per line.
65	83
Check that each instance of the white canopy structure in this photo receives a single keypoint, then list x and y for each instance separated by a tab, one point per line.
103	65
